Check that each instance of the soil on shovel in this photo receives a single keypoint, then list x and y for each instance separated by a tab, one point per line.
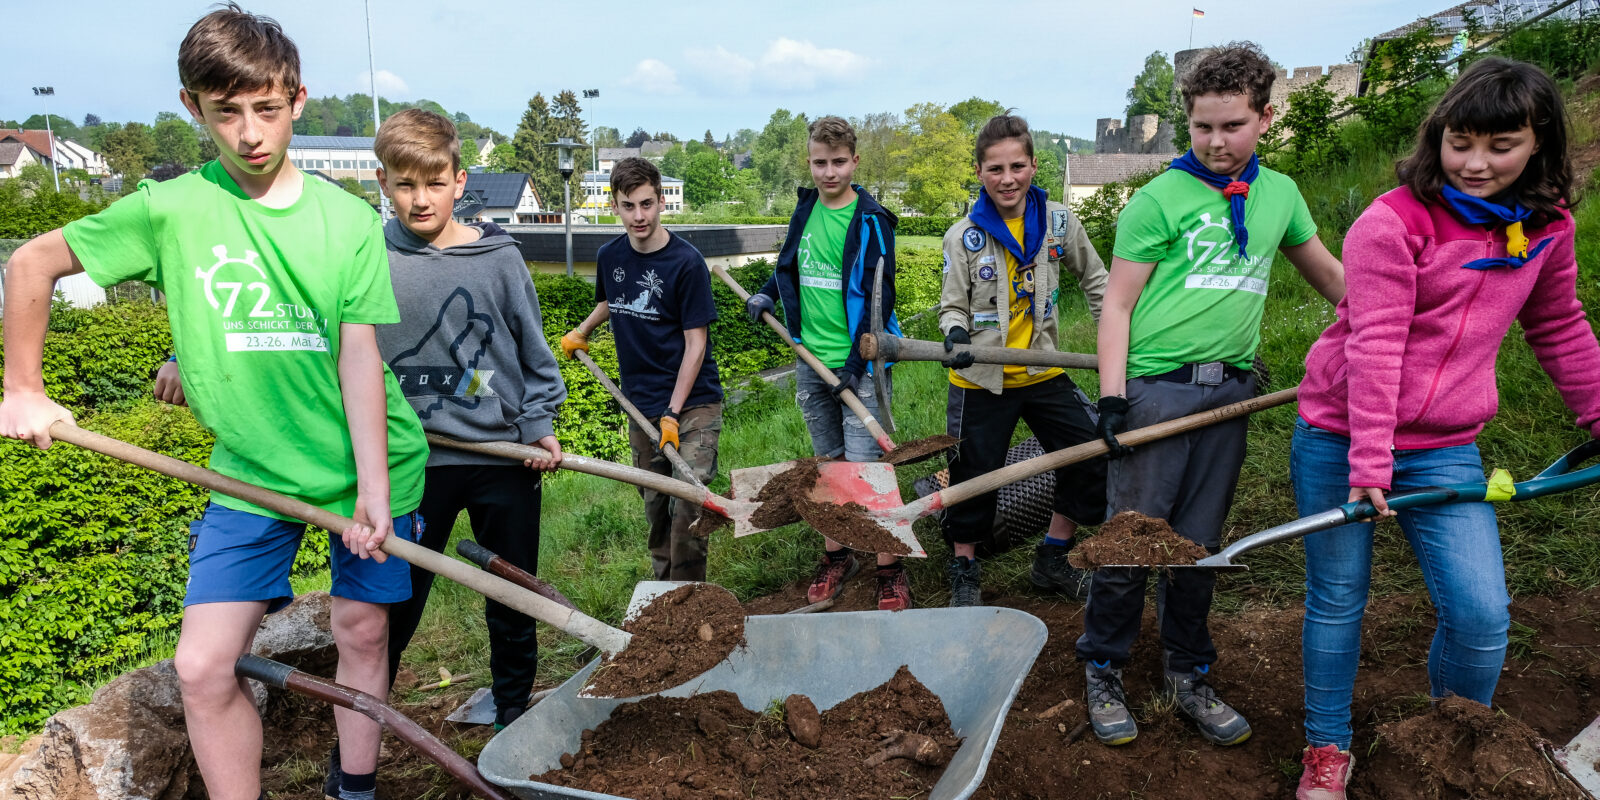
1131	538
778	496
919	449
849	525
1461	749
891	741
677	636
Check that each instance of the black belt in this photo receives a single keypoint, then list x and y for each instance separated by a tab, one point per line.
1209	374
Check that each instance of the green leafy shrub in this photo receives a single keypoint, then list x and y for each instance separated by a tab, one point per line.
25	214
924	226
1098	212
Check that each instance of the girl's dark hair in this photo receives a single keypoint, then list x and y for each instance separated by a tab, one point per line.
1497	95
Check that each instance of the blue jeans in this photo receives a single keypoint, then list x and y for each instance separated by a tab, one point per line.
1458	548
835	429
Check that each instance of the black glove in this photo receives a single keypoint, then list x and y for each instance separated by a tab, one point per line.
957	335
847	380
1114	420
756	305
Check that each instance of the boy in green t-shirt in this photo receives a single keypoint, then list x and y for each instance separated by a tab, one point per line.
274	283
838	237
1178	333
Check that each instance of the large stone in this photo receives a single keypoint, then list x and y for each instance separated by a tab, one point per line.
129	742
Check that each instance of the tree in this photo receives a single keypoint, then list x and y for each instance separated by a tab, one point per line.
674	162
879	141
59	125
973	112
779	153
1314	135
567	120
470	157
637	138
176	143
742	140
607	137
709	140
1152	88
354	187
90	121
503	158
938	158
533	157
663	136
167	171
129	149
1049	175
707	179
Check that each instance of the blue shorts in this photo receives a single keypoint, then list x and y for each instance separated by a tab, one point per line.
237	556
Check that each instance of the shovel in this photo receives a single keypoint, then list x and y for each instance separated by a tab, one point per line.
575	623
876	490
638	418
881	346
1560	476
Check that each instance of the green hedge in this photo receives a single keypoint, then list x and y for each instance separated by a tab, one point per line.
924	226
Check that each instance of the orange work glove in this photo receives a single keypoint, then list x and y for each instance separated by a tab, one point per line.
573	341
669	430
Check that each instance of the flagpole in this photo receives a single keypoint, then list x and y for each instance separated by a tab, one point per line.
1191	30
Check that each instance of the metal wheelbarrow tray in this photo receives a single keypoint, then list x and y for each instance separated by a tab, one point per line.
973	659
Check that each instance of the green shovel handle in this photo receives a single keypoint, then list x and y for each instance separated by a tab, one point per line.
1558	477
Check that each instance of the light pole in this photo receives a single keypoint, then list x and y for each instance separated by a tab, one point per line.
564	147
49	91
593	94
372	72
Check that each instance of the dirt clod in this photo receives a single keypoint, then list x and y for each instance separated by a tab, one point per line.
850	525
657	749
669	645
805	724
1131	538
1461	749
712	724
919	449
778	495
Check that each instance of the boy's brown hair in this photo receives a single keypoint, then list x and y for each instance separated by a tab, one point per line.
998	129
1234	68
418	142
833	132
231	50
631	173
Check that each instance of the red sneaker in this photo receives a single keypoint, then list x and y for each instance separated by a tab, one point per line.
830	578
894	591
1327	772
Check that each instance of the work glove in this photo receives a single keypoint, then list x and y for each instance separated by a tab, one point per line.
957	335
669	429
848	381
1114	420
572	341
757	304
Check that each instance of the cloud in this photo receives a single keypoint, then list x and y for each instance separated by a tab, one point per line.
721	68
653	76
785	65
389	84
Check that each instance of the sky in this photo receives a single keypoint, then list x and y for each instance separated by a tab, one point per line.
687	66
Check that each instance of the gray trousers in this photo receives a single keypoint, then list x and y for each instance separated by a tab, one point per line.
1189	481
676	553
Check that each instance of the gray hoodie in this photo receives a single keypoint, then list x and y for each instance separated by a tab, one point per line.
469	350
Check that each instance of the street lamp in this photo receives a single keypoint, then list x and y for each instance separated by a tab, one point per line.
49	91
564	147
593	94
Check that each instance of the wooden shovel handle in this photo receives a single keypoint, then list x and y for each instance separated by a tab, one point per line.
816	366
1038	465
589	466
638	417
573	622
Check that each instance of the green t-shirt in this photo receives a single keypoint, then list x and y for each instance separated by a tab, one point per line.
823	326
1203	303
255	296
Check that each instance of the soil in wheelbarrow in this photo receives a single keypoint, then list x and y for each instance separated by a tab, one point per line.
1131	538
1462	749
677	636
891	741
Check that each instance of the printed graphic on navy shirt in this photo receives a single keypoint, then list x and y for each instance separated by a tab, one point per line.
464	387
654	297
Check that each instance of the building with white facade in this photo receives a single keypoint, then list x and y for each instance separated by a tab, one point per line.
337	158
503	198
597	193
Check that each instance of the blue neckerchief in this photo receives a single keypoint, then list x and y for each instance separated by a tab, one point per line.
1479	211
1189	163
1034	225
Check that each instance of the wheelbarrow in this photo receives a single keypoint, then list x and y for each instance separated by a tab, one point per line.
844	654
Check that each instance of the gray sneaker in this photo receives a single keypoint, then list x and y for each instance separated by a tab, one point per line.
964	578
1051	572
1108	704
1218	722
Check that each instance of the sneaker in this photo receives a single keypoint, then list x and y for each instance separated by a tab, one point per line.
1108	705
894	591
330	784
1327	773
1218	722
964	575
830	578
506	716
1051	572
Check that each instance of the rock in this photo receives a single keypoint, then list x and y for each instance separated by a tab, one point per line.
301	635
805	724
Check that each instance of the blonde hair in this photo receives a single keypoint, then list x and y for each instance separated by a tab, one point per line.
418	142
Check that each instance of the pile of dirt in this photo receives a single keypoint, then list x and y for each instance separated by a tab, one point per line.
676	637
919	449
1133	538
778	495
850	525
1461	749
892	741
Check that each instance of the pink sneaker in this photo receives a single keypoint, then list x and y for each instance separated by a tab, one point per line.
1327	773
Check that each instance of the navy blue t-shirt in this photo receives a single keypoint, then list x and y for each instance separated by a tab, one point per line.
655	297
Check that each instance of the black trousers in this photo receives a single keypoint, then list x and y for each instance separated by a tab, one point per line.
503	504
1058	413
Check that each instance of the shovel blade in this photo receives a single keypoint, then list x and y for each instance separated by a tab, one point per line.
1580	756
871	484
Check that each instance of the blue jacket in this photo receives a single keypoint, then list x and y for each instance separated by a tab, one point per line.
870	235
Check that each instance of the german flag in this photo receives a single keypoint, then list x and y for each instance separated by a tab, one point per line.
1199	13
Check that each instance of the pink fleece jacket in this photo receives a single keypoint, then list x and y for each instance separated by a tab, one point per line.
1409	364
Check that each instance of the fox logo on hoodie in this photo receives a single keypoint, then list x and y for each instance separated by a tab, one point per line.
449	383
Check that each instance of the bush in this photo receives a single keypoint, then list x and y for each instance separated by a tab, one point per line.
102	356
1098	212
924	226
25	214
